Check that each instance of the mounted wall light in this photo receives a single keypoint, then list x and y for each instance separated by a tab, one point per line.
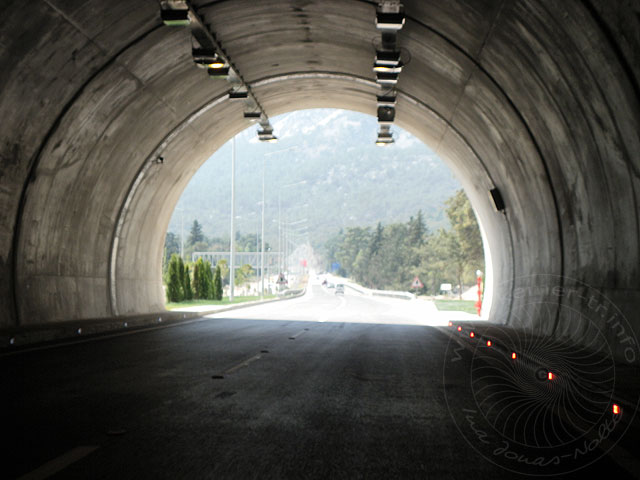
496	198
175	18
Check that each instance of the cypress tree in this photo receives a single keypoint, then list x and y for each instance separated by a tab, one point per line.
217	284
174	289
181	277
209	280
196	276
188	292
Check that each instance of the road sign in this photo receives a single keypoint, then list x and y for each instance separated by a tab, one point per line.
416	283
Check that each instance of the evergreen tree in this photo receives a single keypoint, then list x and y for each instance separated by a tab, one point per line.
188	292
417	230
196	277
200	283
196	234
217	284
376	241
208	281
181	277
174	288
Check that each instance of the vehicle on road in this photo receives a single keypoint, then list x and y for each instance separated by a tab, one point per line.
339	289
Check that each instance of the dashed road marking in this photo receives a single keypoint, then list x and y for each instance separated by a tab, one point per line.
60	463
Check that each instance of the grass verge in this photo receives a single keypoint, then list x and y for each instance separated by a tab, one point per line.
224	301
467	306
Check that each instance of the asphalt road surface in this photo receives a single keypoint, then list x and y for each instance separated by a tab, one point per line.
325	386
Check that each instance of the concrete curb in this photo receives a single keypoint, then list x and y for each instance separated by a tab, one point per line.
20	338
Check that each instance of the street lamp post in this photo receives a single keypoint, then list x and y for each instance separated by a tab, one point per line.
232	246
262	239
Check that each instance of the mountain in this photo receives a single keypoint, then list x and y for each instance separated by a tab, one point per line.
325	168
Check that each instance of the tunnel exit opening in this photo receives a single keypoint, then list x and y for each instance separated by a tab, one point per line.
327	185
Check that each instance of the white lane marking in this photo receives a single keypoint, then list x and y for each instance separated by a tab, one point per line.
57	464
244	363
293	337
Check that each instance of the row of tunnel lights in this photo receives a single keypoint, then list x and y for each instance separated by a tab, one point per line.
218	67
550	376
387	66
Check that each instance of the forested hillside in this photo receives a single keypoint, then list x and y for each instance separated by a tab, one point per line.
325	169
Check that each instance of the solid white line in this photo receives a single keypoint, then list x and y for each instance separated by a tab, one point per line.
57	464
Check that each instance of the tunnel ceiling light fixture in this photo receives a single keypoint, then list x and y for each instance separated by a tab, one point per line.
175	18
386	115
386	100
386	78
252	115
265	134
389	20
218	72
238	94
389	59
386	68
207	58
385	137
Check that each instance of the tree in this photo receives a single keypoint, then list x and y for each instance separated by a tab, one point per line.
417	230
171	246
174	288
208	280
181	277
217	284
242	274
188	292
465	248
196	234
200	283
224	271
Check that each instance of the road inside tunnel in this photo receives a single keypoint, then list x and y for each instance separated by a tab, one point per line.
272	391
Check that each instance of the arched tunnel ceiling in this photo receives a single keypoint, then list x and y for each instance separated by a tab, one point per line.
538	98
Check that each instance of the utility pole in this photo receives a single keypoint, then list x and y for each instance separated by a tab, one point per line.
232	246
182	233
262	240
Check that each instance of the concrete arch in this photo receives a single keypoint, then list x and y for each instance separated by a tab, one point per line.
537	98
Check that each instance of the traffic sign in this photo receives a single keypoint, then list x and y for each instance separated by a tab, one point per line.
416	283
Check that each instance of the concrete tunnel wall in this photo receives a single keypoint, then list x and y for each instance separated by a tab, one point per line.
538	98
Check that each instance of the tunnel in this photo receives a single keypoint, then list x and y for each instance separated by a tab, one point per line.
532	103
